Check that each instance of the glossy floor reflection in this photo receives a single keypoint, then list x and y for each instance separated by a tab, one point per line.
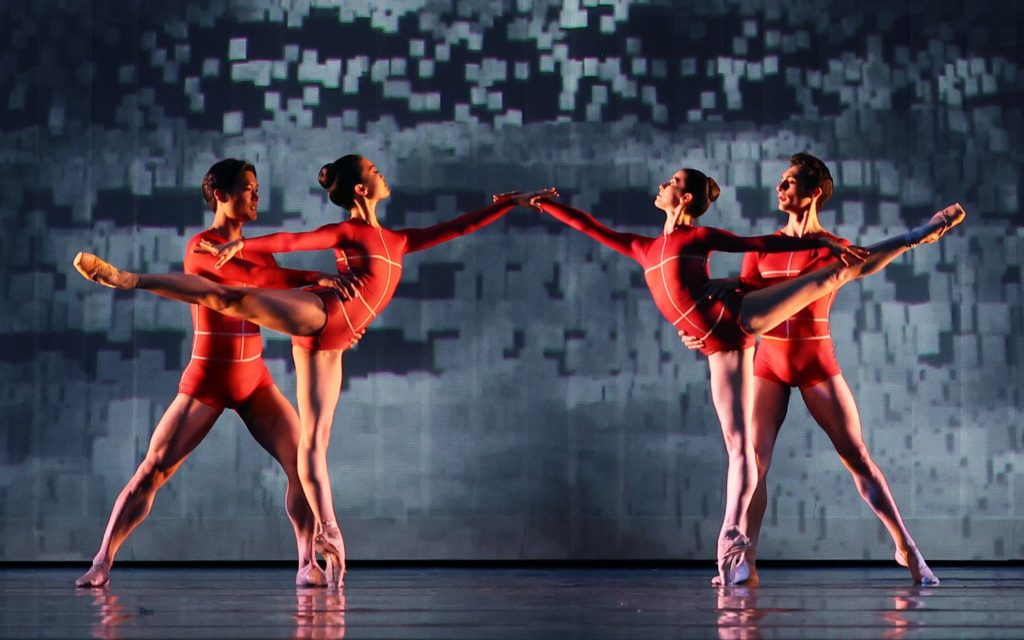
513	603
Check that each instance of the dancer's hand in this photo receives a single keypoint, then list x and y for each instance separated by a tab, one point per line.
224	251
848	255
526	198
346	284
692	343
722	288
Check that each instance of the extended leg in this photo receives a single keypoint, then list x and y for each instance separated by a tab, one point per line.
731	372
290	311
274	424
832	405
318	385
184	424
766	308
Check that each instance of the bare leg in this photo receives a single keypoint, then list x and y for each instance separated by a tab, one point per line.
274	424
731	392
290	311
766	308
183	426
318	385
832	405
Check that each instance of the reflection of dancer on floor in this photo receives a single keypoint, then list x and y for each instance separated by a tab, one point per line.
321	323
226	371
675	266
799	353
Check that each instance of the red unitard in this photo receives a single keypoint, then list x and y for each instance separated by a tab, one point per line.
227	354
798	352
676	268
374	256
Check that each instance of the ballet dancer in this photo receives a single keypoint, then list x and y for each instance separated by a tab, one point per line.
226	371
676	269
799	354
322	324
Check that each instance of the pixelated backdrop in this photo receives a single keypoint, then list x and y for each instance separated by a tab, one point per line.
521	397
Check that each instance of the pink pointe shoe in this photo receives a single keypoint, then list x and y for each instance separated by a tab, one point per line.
733	567
329	543
310	575
919	570
97	576
94	268
937	226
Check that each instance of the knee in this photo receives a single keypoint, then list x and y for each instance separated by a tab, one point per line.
150	476
859	461
763	462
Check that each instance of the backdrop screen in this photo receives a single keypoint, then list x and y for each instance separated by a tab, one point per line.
521	397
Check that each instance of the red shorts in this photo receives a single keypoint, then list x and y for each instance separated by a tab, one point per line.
796	363
224	385
337	332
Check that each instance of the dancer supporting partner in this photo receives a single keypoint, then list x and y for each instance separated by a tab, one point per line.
322	325
799	353
226	371
675	267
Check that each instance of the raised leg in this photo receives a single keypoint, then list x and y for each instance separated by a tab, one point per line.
833	407
766	308
318	385
731	392
274	424
183	426
290	311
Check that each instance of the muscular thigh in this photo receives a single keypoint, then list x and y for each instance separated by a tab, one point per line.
273	423
833	407
771	403
184	424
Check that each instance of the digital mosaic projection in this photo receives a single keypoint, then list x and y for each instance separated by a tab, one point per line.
522	397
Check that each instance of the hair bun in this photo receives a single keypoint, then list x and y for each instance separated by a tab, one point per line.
328	174
713	189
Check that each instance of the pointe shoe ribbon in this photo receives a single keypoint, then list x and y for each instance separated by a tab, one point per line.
732	561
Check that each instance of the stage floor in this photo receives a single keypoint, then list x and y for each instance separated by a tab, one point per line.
512	603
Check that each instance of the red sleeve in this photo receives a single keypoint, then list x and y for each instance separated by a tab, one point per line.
627	244
326	237
750	275
420	239
721	240
241	270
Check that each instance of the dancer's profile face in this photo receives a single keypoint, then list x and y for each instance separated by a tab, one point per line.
671	193
244	197
792	199
376	186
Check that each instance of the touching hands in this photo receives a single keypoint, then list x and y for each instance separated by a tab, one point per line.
692	343
848	255
224	251
346	284
526	198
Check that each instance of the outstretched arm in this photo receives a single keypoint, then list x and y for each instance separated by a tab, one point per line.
420	239
326	237
721	240
241	270
625	243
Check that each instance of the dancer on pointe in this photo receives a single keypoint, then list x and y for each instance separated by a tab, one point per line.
322	325
226	372
676	269
799	354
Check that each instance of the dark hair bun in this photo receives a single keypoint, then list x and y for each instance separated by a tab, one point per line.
328	174
713	190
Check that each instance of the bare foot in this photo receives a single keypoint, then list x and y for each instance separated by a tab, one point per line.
98	575
94	268
310	575
919	571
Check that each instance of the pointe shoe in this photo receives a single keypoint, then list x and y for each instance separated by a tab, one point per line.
919	569
753	579
310	575
733	567
98	575
329	543
94	268
948	218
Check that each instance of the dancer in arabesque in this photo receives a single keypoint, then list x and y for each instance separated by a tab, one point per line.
323	324
226	371
676	269
799	353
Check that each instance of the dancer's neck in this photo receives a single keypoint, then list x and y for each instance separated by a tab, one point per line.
803	222
365	211
226	228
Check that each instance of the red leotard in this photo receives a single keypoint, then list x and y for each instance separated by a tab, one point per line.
676	268
227	354
374	255
799	352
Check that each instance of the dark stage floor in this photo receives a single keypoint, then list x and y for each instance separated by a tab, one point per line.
513	603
